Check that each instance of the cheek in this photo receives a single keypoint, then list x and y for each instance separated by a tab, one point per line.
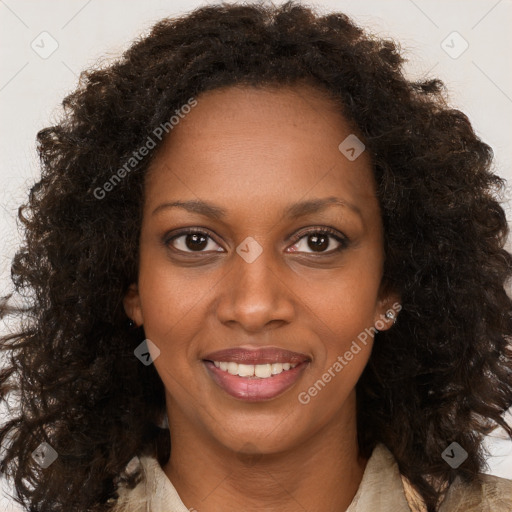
344	312
171	309
346	300
169	294
341	360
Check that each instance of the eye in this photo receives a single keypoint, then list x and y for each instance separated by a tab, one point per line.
193	240
319	240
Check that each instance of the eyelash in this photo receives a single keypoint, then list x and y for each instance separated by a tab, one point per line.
342	239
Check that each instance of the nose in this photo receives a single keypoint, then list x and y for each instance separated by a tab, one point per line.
255	295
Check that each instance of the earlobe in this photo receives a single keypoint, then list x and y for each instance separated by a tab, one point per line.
131	303
388	312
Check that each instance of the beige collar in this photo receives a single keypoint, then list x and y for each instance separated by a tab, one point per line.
381	489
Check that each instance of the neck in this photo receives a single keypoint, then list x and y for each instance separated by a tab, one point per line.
321	472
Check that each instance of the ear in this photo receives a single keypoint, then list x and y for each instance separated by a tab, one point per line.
131	303
389	305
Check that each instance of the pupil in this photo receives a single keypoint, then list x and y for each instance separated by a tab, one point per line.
318	242
196	241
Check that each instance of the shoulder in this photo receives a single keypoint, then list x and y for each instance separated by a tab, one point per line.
135	499
486	493
154	491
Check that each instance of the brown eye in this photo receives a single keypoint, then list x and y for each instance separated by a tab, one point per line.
192	241
319	241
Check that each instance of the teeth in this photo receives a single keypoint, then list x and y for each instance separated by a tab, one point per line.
245	370
262	371
277	368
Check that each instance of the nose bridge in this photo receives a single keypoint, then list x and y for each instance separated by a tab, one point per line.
254	294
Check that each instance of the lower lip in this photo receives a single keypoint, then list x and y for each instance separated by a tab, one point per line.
255	389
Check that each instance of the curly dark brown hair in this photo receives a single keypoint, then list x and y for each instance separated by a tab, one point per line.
441	374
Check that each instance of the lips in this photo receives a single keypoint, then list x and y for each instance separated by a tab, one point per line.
266	355
255	388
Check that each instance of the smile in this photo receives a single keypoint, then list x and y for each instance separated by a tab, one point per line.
244	383
261	371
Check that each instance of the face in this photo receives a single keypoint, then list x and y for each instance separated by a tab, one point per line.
286	251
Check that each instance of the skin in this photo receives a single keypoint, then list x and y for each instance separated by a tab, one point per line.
253	152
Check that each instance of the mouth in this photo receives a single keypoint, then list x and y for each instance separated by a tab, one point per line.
255	375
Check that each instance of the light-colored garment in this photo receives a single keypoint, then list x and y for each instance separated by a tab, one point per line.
382	489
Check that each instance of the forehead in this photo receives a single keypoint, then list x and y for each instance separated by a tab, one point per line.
260	144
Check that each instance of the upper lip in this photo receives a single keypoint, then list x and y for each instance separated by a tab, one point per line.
264	355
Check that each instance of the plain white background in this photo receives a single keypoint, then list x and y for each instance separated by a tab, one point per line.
45	44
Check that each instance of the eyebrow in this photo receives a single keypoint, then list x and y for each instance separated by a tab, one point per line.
299	209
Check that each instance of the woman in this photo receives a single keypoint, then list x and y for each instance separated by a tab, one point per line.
265	272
